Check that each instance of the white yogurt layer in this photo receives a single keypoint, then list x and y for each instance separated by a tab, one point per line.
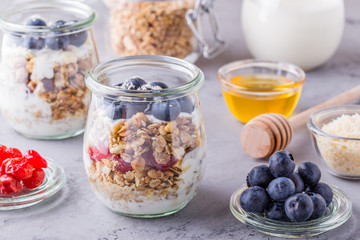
26	112
31	115
193	169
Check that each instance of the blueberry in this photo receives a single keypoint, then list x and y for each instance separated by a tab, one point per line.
186	104
324	190
79	38
299	183
260	176
60	24
166	111
58	41
115	111
299	207
33	43
123	110
48	84
35	22
281	188
309	172
158	84
132	108
134	83
254	199
281	164
276	211
319	205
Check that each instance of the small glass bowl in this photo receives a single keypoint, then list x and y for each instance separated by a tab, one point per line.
337	213
253	87
54	180
340	154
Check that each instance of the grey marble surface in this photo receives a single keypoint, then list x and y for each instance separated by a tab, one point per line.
76	213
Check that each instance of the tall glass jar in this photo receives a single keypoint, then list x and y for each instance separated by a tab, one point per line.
144	143
162	27
47	49
303	32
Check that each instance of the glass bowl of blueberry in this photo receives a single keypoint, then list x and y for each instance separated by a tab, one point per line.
282	202
144	141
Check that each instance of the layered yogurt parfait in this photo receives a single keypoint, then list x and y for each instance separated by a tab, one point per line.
43	69
144	154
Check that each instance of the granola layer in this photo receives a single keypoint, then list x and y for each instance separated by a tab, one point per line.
165	159
151	28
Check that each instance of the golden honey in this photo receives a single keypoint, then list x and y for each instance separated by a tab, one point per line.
253	95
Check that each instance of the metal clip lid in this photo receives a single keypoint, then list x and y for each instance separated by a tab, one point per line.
193	16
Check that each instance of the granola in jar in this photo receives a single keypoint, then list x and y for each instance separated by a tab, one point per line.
144	154
43	70
151	28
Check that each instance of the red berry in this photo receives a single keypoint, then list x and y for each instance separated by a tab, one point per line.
19	168
6	153
153	163
122	165
36	179
35	159
98	153
3	166
9	185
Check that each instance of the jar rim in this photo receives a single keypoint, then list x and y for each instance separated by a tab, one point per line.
96	74
79	7
243	64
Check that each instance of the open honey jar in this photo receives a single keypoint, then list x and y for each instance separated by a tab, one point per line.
253	87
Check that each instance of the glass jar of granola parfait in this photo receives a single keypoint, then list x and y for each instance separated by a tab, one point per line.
47	49
144	142
162	27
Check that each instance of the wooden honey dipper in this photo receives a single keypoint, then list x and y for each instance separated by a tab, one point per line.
270	132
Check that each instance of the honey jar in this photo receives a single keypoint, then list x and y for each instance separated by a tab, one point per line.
253	87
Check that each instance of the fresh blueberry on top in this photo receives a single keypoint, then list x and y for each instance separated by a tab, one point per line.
132	108
309	172
134	83
319	205
33	43
260	176
299	183
35	22
158	84
166	110
324	190
59	40
60	23
275	211
115	111
254	199
280	189
79	38
299	207
281	164
186	104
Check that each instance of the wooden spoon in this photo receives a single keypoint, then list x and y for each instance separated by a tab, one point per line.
270	132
